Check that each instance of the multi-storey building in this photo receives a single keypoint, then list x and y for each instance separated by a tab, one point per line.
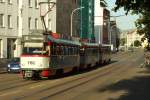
102	24
22	17
87	19
59	19
17	18
8	27
114	35
132	37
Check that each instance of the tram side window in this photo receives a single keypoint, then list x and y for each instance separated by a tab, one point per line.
54	49
66	50
62	50
69	50
74	50
58	50
78	50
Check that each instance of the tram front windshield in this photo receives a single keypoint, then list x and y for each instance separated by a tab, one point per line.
32	50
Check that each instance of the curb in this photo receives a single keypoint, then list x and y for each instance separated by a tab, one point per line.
2	72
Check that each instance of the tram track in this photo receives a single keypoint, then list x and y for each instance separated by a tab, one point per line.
17	85
77	85
90	80
76	80
104	71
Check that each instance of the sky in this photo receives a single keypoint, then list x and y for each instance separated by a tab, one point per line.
123	22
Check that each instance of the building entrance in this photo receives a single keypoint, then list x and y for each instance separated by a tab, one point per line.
10	47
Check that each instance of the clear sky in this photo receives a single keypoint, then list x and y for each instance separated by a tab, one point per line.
123	22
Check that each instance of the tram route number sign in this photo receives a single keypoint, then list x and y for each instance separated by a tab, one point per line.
31	62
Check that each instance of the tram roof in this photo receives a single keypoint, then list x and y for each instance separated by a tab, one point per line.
91	44
64	41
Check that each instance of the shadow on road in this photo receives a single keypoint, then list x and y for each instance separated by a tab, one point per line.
137	88
80	71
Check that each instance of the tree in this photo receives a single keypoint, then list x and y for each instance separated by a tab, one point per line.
103	3
137	43
122	41
140	7
137	6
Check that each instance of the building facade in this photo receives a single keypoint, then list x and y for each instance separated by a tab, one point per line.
8	28
133	36
64	9
114	36
17	18
87	20
102	24
23	17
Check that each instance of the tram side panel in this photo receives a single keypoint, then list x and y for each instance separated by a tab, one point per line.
89	56
106	54
64	57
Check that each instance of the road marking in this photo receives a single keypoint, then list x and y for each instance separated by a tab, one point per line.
9	93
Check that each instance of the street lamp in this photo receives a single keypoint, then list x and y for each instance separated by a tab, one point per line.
72	16
111	28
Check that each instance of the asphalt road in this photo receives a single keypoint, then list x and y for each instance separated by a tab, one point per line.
123	79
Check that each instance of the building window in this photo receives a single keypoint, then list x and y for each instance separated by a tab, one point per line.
29	23
17	21
49	24
36	4
9	1
74	1
2	1
1	20
30	3
17	2
9	21
36	23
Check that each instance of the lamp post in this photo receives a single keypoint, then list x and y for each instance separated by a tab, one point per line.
72	16
111	28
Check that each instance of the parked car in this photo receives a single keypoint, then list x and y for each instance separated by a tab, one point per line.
14	65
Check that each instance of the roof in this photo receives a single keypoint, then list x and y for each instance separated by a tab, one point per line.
63	41
91	44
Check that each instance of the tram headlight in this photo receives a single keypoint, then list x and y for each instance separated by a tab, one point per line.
8	65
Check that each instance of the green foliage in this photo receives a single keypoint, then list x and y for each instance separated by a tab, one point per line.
137	6
122	41
137	43
103	3
140	7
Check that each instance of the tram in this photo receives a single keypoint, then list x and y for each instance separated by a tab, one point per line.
57	56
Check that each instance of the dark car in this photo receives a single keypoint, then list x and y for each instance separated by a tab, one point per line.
14	65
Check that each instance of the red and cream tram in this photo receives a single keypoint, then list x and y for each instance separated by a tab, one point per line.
58	56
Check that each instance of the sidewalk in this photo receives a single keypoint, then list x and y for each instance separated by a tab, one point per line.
2	70
3	65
